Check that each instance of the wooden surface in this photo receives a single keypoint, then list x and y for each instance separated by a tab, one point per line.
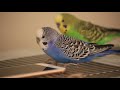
83	70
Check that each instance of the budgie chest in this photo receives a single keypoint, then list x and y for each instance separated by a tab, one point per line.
56	53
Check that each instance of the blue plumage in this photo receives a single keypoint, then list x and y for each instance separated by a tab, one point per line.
65	49
58	55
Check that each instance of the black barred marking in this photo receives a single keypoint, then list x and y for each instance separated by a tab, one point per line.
98	37
75	49
91	47
84	47
81	44
93	32
74	42
81	55
72	55
86	52
76	46
78	42
70	45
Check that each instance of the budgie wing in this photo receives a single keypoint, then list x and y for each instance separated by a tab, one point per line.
76	49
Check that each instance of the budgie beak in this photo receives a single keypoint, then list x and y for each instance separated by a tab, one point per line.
39	35
37	40
58	20
40	39
58	25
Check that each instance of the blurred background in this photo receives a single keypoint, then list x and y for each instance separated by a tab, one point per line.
18	29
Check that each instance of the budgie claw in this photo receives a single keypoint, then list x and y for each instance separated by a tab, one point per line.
55	63
48	60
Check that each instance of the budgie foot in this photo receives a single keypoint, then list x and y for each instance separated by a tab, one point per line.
55	63
49	61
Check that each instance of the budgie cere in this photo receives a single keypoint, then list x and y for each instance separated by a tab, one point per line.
87	31
66	49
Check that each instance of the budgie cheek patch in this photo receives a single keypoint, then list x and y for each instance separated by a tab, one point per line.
43	45
42	42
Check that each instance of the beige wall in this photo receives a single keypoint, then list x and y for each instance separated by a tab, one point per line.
18	29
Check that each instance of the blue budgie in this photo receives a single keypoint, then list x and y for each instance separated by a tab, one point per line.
66	49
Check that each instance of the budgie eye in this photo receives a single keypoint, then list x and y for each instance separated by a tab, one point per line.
65	26
43	36
62	20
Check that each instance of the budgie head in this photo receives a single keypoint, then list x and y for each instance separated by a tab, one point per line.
45	36
66	22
